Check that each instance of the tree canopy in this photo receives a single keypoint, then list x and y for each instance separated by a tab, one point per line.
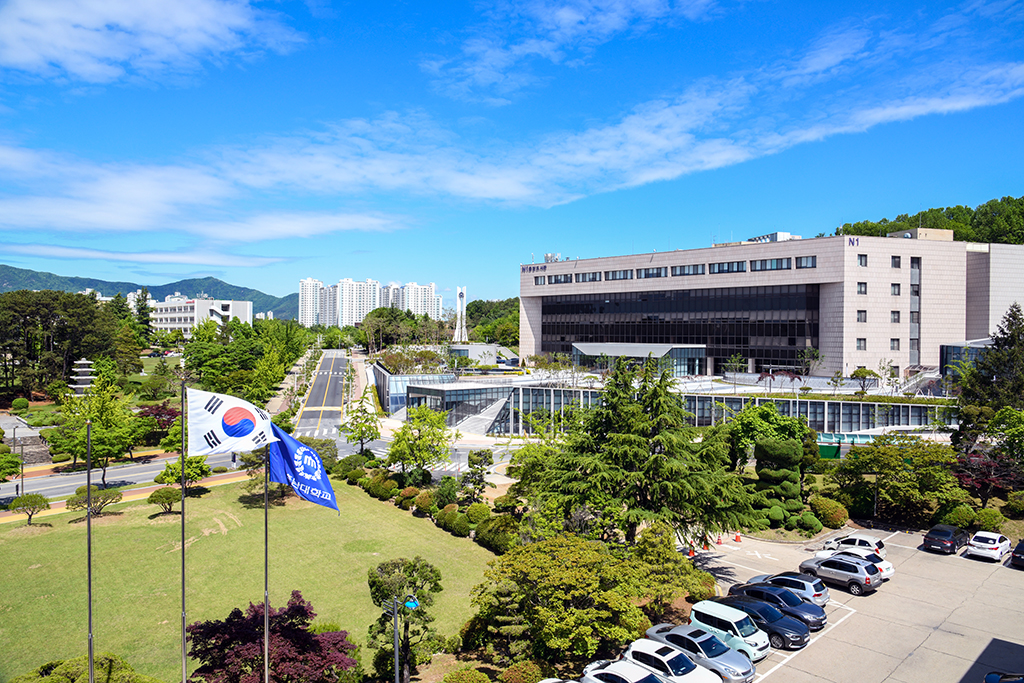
997	220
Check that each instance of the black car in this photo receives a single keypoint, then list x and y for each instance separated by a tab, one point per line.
785	600
946	539
1017	556
783	631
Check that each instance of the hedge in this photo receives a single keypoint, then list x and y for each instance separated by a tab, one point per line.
522	672
478	512
831	513
989	520
466	674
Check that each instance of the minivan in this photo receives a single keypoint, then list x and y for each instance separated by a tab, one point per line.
733	627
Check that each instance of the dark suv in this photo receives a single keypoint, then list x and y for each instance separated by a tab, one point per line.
785	601
783	631
945	538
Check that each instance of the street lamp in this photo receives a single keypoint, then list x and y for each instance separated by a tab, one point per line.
393	605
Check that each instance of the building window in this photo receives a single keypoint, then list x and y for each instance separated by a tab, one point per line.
862	260
915	317
771	264
862	288
915	290
806	261
895	287
915	263
618	274
862	316
588	277
895	261
727	267
894	316
862	344
644	273
695	269
560	279
539	280
894	344
915	344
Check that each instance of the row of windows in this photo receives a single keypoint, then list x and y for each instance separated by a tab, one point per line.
894	344
915	261
895	289
894	316
693	269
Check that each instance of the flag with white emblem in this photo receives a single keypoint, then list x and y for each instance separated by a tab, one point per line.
218	423
296	464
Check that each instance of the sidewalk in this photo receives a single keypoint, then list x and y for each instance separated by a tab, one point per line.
46	470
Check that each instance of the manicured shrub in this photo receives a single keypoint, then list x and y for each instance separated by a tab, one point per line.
498	534
521	672
810	480
453	644
406	497
466	674
478	512
961	515
762	523
793	505
505	503
808	522
19	404
219	469
792	522
4	448
460	526
349	463
445	517
989	520
829	512
60	457
776	515
354	476
447	492
1014	504
165	497
424	501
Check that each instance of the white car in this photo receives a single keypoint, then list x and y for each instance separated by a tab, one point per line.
988	544
618	671
857	540
885	569
668	662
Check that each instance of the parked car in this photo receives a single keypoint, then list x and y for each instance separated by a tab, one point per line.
668	662
859	576
1017	556
945	538
988	544
617	671
733	627
807	588
783	631
886	568
785	601
705	650
856	540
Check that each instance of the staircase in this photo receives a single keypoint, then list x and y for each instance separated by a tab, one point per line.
482	421
36	453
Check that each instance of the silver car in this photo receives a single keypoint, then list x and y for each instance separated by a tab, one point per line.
705	650
858	575
808	588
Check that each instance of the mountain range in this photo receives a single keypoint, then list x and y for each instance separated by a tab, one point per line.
286	307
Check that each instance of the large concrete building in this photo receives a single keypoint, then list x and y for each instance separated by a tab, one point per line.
348	302
177	312
861	301
356	299
309	301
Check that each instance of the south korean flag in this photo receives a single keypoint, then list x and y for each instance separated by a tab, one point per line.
218	423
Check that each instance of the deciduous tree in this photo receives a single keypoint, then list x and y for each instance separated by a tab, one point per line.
363	425
423	441
30	504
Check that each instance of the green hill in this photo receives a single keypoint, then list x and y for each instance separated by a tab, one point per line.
286	307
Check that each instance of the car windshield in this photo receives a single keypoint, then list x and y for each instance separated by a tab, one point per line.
769	613
713	647
680	665
940	533
879	544
790	599
871	557
871	569
819	587
649	678
746	627
986	540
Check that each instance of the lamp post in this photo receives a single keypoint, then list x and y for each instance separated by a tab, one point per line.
411	602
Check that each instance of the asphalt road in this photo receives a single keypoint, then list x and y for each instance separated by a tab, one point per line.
321	416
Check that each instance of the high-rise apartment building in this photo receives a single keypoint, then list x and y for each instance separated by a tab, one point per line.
356	299
419	299
309	301
329	298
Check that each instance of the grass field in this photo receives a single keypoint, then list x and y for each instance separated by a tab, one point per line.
136	573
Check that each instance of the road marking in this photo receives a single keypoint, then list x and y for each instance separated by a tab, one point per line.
908	547
769	672
759	556
326	389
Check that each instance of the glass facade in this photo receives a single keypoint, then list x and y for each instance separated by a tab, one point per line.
460	402
769	324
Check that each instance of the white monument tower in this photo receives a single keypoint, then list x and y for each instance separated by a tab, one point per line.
460	317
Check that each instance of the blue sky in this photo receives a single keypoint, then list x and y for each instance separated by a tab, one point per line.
265	142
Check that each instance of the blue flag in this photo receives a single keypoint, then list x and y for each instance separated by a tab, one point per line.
299	466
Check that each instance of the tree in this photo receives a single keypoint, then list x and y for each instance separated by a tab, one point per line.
363	425
985	472
30	504
101	498
127	351
735	364
165	497
836	381
567	597
396	579
423	441
231	651
108	667
142	315
633	460
753	423
196	470
473	481
10	463
864	375
809	360
664	574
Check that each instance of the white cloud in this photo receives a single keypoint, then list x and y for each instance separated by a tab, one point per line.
100	41
199	258
492	63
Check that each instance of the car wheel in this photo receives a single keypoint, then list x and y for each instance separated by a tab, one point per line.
856	588
777	641
810	572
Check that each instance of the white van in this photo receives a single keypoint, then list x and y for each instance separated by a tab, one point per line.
733	627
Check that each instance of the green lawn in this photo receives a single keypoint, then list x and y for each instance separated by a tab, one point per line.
136	573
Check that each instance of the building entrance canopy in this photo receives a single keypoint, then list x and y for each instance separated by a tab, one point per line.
682	359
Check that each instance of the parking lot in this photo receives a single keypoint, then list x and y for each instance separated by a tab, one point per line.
939	619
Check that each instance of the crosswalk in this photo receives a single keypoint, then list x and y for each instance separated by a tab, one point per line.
317	432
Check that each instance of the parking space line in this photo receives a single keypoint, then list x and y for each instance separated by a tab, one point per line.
769	672
741	566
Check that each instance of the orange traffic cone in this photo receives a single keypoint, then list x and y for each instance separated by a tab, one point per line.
738	537
719	539
691	552
706	546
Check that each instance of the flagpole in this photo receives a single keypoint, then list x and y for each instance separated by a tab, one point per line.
184	659
266	564
88	534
